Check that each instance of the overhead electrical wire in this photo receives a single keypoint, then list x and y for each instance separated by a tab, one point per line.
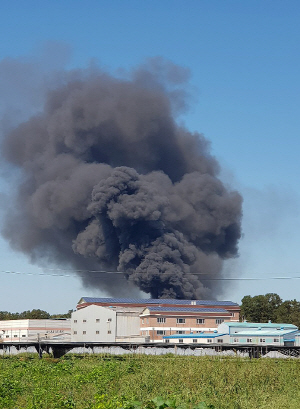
96	272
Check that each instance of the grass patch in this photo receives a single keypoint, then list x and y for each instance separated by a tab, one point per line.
148	382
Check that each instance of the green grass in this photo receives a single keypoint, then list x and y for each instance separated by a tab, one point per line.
150	382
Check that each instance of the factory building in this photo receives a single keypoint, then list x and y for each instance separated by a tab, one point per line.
95	323
243	333
35	329
156	321
147	320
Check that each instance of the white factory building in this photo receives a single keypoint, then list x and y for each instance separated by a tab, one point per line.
106	324
35	330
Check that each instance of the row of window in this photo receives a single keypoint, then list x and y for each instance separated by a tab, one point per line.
15	336
162	320
84	332
250	340
97	320
195	340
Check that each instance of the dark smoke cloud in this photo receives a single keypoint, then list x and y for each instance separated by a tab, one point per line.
111	181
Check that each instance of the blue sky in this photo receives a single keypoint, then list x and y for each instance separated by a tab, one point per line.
244	61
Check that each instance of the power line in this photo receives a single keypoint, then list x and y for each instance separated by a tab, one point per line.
98	272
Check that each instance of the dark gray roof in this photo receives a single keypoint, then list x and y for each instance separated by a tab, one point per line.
187	309
157	301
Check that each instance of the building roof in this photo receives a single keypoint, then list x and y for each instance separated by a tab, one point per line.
156	301
260	325
262	333
186	309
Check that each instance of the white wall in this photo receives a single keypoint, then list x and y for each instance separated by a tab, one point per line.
31	330
93	324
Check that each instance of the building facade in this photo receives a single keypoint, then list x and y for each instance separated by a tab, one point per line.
34	329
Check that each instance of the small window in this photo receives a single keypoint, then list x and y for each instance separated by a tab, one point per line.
23	336
97	320
83	320
75	321
109	320
195	340
180	340
97	332
75	332
220	341
249	340
180	332
167	341
15	336
84	332
276	339
219	320
235	340
161	320
209	340
180	320
262	340
200	320
232	314
161	332
109	332
7	336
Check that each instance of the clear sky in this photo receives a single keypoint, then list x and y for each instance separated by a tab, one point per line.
244	59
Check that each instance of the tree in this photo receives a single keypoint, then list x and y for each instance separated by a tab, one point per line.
260	308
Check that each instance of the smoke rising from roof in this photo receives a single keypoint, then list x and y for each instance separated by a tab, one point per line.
111	181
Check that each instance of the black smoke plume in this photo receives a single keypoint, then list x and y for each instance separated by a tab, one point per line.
111	181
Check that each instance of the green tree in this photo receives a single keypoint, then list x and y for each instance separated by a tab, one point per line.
289	312
260	308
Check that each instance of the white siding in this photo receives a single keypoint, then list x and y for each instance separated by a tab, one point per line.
93	324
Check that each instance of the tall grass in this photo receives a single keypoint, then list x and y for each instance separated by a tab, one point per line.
106	382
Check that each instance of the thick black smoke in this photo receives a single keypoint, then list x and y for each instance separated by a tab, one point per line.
111	181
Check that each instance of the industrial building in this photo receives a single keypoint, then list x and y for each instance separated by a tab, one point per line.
35	329
243	333
146	320
106	324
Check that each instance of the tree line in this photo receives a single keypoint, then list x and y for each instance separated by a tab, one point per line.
33	314
270	307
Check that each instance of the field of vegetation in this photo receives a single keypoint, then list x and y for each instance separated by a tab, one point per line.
148	382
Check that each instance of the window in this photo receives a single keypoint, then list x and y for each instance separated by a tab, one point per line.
209	340
7	336
262	340
23	336
180	340
276	339
109	332
161	332
15	336
108	319
75	321
200	320
97	332
84	332
180	320
219	320
83	320
220	341
75	332
167	341
235	340
161	319
180	332
97	320
232	314
195	341
249	340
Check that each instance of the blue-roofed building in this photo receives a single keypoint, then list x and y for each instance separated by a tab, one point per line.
244	333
